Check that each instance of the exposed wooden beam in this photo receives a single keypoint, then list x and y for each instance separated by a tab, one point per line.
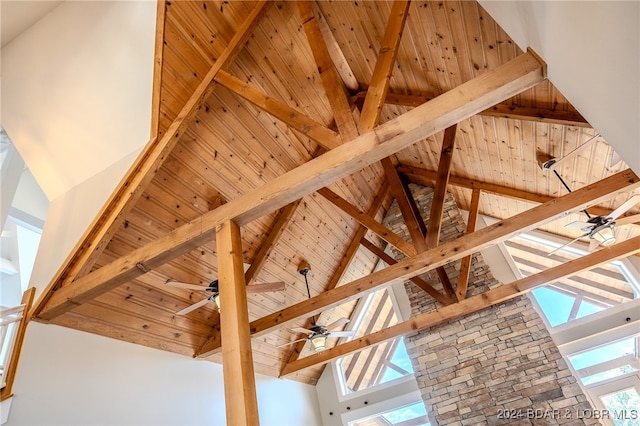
428	178
465	263
315	131
437	202
95	239
469	305
407	205
330	79
440	189
487	89
506	109
448	251
389	260
385	61
158	66
337	57
241	401
365	220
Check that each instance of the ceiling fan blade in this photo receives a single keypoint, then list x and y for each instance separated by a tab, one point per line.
578	224
593	244
301	330
557	162
193	307
628	220
291	343
179	284
260	288
337	323
342	334
632	201
568	244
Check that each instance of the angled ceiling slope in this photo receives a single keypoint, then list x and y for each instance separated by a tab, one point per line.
302	126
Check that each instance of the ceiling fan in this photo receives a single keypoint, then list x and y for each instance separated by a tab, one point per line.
547	162
601	229
318	334
214	289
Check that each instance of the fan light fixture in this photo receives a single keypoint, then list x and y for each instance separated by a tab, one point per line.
216	300
319	342
605	236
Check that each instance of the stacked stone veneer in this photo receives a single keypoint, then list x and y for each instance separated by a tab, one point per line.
496	366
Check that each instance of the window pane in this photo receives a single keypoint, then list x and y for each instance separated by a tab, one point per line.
603	353
555	305
414	414
623	407
587	308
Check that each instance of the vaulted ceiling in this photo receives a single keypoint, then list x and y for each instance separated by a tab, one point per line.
301	122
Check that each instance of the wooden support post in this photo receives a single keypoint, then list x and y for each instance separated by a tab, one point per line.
241	401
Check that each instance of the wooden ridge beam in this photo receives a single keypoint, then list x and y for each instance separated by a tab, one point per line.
487	89
95	239
448	251
469	305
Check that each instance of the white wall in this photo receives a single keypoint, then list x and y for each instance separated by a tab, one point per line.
76	89
68	377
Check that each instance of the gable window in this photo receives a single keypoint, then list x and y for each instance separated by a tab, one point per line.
380	363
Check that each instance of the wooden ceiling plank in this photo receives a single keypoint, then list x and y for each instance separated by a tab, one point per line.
279	226
349	254
449	251
241	400
330	79
428	178
465	263
451	107
506	109
131	187
386	258
385	62
315	131
469	305
365	220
